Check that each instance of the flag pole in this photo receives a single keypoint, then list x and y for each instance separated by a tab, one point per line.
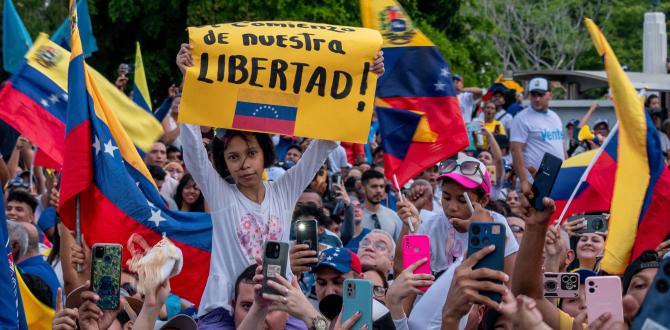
402	199
586	172
78	228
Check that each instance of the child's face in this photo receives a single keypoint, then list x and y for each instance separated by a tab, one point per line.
454	203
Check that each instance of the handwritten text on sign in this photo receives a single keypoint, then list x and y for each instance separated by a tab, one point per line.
292	78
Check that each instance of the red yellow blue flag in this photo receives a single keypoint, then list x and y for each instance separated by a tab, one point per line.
417	82
117	194
640	217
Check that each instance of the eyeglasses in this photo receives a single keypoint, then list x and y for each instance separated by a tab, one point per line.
129	289
379	291
466	168
516	229
377	246
375	220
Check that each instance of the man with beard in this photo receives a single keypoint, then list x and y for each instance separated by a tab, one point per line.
375	215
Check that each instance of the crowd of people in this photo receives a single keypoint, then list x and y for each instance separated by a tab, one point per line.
255	186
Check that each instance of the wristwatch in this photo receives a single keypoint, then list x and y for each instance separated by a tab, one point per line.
320	323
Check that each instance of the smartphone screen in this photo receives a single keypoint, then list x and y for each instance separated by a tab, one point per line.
106	274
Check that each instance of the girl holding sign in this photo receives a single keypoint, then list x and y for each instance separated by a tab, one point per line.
249	211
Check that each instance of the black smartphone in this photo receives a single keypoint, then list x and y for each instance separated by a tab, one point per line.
334	179
544	179
106	274
307	232
481	235
275	258
595	223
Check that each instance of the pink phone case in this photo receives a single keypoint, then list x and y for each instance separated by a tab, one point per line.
603	295
415	248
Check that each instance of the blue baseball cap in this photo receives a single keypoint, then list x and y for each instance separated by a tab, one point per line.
573	122
584	274
456	76
340	259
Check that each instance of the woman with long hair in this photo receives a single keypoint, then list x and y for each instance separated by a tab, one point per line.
188	196
248	211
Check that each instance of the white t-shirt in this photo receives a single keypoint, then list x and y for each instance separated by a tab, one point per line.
665	141
240	226
467	102
540	131
448	245
427	312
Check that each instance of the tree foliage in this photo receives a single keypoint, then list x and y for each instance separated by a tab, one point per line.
473	35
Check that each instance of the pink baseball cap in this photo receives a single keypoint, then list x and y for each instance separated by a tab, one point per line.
467	171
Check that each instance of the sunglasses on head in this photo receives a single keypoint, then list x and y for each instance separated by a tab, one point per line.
467	167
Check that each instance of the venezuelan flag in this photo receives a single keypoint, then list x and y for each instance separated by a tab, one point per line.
35	99
38	315
594	194
640	217
117	194
417	81
140	88
11	304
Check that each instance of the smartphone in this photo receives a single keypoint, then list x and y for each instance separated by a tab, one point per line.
481	235
544	179
653	312
275	257
106	274
334	179
415	248
561	285
603	295
357	297
306	232
595	223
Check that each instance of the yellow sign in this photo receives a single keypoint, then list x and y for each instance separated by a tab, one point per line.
291	78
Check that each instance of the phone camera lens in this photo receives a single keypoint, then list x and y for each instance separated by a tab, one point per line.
550	286
592	290
476	229
591	283
475	241
598	224
662	286
99	252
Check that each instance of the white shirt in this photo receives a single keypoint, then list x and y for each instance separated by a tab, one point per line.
448	245
467	102
427	312
169	187
665	141
540	131
240	226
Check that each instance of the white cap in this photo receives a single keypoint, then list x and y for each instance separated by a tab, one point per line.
539	85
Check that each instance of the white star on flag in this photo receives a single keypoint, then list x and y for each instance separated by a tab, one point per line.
444	72
96	146
109	148
44	103
149	202
156	217
53	98
329	258
64	96
439	86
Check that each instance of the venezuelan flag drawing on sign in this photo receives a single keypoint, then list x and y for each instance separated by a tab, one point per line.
278	114
416	95
117	194
640	217
34	102
140	87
